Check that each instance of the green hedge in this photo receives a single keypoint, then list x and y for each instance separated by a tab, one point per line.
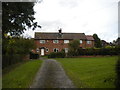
88	51
34	56
96	51
11	59
56	55
15	49
99	51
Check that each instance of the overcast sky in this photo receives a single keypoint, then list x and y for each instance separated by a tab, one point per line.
78	16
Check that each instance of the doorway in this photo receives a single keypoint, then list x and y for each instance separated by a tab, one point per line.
42	52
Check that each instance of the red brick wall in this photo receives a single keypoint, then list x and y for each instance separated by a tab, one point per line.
50	45
83	45
90	45
61	45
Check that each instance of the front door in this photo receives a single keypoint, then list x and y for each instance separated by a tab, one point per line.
42	52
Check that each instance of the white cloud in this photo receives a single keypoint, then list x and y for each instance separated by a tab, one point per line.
85	16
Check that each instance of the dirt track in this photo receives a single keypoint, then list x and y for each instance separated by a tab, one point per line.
51	75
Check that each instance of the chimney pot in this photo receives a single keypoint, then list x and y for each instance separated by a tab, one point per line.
60	30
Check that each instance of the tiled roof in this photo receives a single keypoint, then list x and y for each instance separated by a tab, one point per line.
89	37
41	35
103	41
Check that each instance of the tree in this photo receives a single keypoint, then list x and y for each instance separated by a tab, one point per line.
17	17
116	42
98	43
15	49
73	47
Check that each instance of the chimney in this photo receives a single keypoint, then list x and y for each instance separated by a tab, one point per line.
60	30
60	33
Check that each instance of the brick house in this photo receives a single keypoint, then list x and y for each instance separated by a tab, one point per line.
104	43
55	42
89	41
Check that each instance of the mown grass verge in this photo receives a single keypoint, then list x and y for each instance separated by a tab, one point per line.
21	76
94	72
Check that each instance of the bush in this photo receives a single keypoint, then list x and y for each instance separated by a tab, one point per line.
34	56
11	59
57	55
99	51
15	49
73	48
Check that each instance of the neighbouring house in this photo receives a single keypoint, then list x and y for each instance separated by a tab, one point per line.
117	42
55	42
104	43
89	41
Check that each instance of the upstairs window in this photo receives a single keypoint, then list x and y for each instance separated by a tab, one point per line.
55	50
89	42
80	41
66	41
42	41
55	41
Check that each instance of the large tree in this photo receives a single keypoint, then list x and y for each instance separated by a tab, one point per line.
17	17
98	43
73	47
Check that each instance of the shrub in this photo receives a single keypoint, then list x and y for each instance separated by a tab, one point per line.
99	51
57	55
9	60
34	56
81	51
15	49
73	48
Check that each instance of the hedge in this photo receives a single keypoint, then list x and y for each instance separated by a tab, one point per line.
88	52
11	59
34	56
15	50
99	51
56	55
96	51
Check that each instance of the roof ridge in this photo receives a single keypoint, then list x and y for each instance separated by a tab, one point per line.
88	35
55	35
58	32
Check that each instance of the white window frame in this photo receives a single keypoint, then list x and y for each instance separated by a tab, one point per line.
81	41
57	50
37	50
66	41
42	41
89	42
47	50
54	41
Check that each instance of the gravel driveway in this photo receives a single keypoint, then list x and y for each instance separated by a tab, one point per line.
51	75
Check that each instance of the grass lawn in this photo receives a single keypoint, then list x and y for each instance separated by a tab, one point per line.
94	72
21	76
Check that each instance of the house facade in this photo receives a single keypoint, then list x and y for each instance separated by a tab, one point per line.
55	42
